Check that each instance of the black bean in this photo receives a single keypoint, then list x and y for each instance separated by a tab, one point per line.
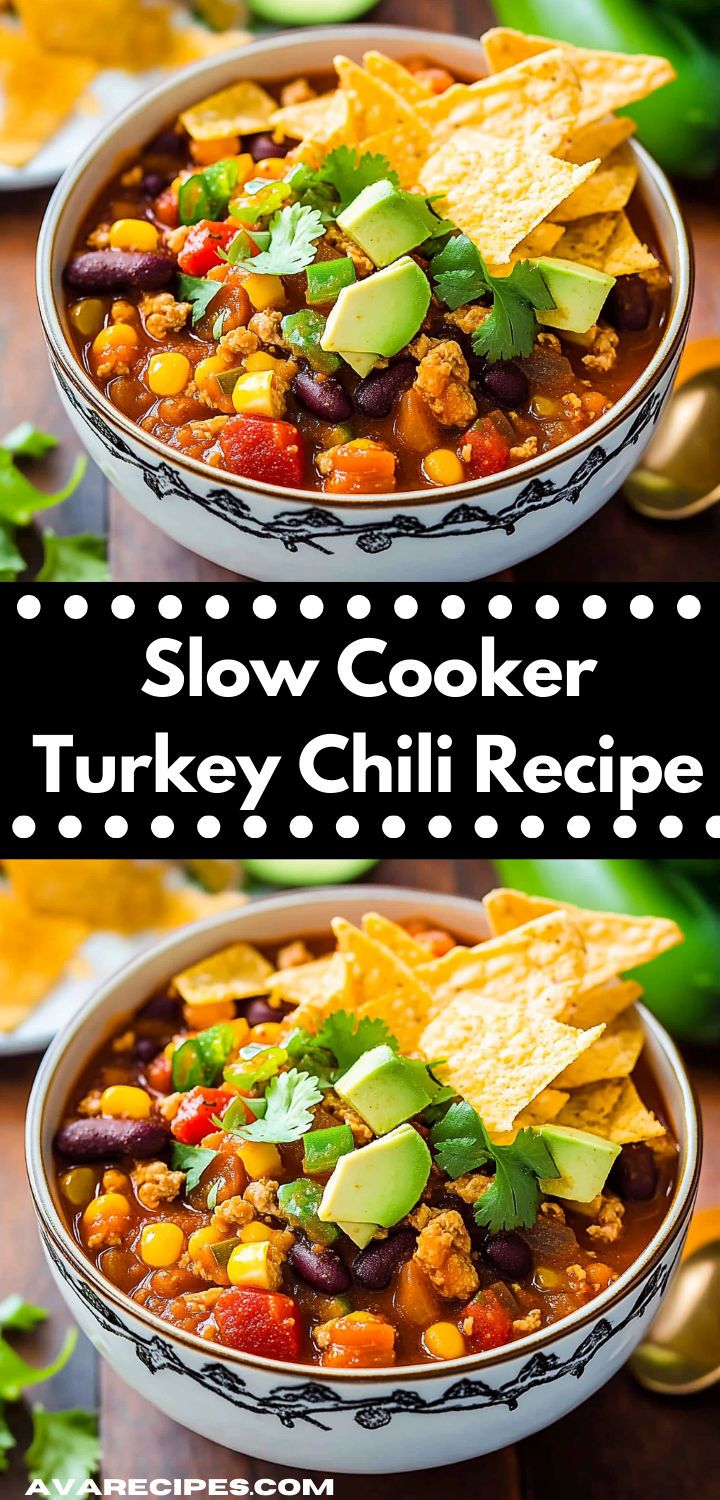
634	1174
257	1012
376	395
508	1254
114	270
262	146
160	1008
321	1269
87	1140
504	382
375	1266
628	305
168	143
153	183
146	1048
324	397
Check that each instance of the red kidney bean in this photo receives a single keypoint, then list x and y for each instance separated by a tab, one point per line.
628	305
153	184
375	1266
321	1269
262	146
634	1174
87	1140
505	383
324	397
257	1012
145	1049
168	143
114	270
376	395
160	1008
508	1254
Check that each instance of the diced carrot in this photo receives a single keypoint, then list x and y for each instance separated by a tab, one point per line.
415	1298
360	467
358	1339
415	425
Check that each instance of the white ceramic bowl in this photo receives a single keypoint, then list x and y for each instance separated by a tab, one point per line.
466	531
349	1421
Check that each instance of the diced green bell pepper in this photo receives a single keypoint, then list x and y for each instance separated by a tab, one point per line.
322	1148
200	1060
223	1249
206	194
300	1200
326	279
303	331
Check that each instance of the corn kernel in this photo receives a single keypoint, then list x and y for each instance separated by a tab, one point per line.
264	291
133	234
169	1048
271	167
251	1265
258	394
259	1159
108	1207
200	1016
444	1341
207	369
161	1244
206	152
266	1034
255	1232
87	316
262	361
168	374
118	336
123	1099
240	1031
442	466
200	1239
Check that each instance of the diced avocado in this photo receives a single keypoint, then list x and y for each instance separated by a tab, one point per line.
326	279
323	1148
223	1249
301	1202
385	1089
578	293
380	314
379	1183
387	222
583	1162
362	364
360	1234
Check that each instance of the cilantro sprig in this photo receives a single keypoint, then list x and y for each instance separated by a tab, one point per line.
65	1448
66	559
339	179
461	275
341	1040
192	1160
284	1114
199	292
462	1144
293	231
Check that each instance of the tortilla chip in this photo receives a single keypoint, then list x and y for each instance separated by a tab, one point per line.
613	1055
122	894
598	139
113	33
541	240
324	984
397	77
585	239
378	970
189	43
608	190
541	965
601	1004
624	254
394	937
544	1108
234	973
327	120
38	92
500	1057
608	80
613	1110
614	943
536	102
497	191
188	903
405	153
405	1012
238	110
34	950
376	106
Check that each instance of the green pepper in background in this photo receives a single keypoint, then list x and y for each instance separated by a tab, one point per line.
681	987
680	125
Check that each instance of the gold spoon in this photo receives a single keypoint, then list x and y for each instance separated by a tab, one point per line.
680	472
682	1352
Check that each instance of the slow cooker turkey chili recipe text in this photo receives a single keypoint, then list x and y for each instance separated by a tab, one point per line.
383	279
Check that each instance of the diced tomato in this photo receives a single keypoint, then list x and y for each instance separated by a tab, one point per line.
491	1322
265	1323
159	1073
166	208
194	1117
436	941
489	451
261	448
200	251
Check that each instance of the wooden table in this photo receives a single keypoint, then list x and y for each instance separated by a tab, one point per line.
613	545
623	1444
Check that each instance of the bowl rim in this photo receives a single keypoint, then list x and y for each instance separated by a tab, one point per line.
282	42
51	1223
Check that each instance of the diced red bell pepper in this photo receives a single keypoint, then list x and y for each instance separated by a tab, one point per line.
265	449
194	1117
484	449
200	251
491	1322
265	1323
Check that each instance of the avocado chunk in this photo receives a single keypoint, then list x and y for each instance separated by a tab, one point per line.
362	364
360	1234
385	1088
583	1162
379	1183
578	292
386	222
380	314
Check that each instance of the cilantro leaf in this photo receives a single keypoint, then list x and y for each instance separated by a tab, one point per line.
11	561
293	230
511	1201
7	1440
459	273
348	173
20	500
347	1038
65	1448
198	291
192	1160
20	1315
16	1374
74	559
289	1100
461	276
26	441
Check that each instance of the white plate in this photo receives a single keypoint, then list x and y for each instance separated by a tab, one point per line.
110	92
